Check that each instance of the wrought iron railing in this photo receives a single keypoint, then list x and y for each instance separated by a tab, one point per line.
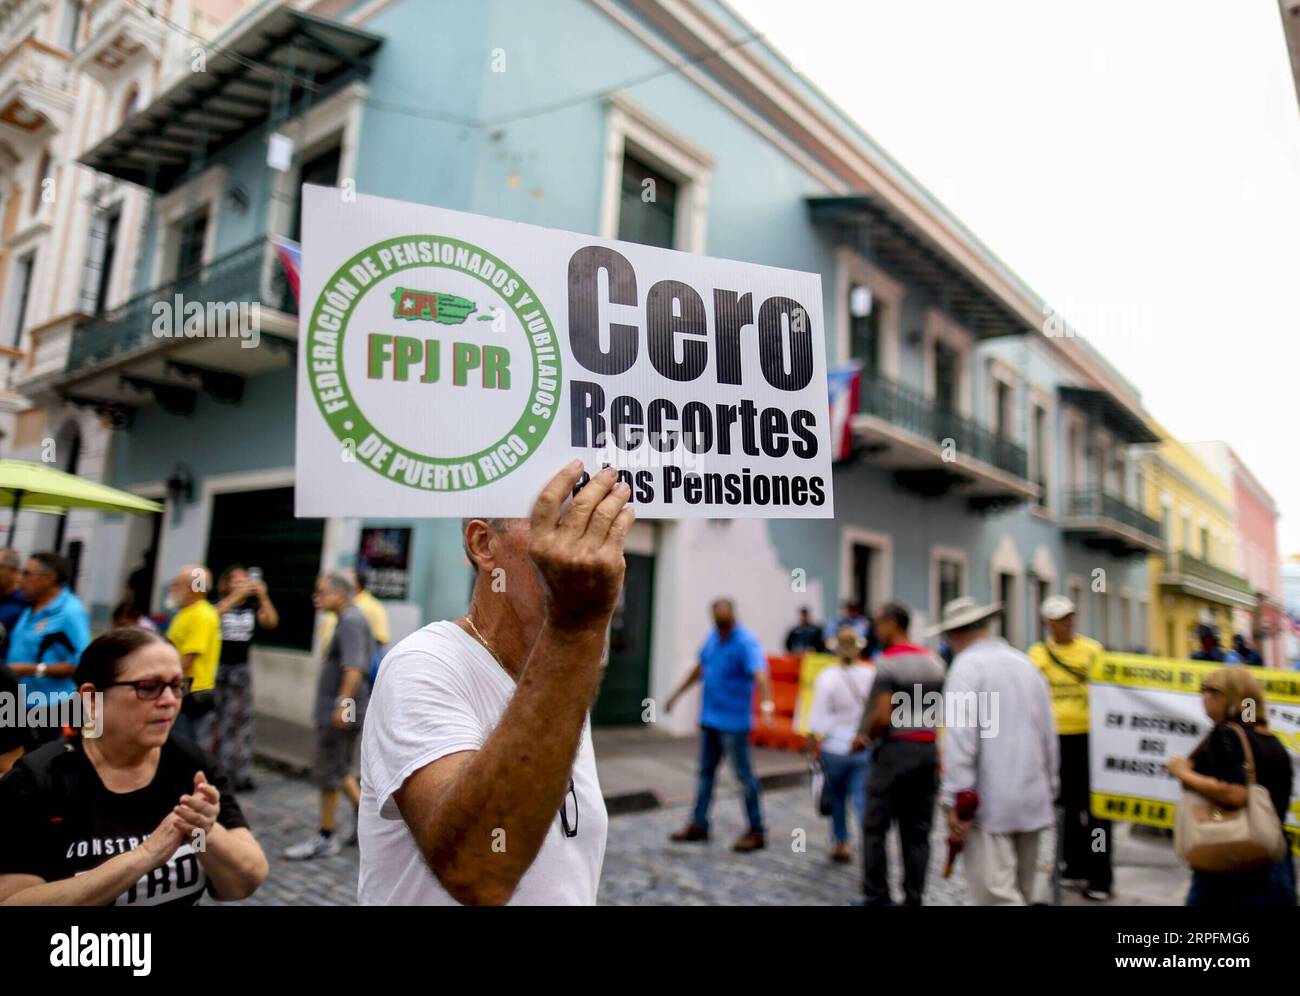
1185	565
910	409
1091	503
251	273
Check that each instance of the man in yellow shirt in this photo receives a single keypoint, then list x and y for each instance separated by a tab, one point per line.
1066	660
195	632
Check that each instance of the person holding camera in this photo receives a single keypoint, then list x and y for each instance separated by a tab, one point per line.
245	608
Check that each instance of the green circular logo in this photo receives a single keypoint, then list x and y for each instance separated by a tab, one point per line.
335	308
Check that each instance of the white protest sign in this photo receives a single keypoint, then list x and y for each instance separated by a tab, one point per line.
1144	710
451	364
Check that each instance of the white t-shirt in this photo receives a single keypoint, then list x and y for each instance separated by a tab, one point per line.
439	692
839	698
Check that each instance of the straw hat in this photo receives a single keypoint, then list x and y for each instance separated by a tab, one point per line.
963	612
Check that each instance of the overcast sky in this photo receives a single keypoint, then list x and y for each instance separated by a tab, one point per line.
1136	162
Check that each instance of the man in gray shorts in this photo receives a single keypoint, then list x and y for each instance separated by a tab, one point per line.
341	697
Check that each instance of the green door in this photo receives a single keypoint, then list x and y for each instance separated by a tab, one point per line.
627	676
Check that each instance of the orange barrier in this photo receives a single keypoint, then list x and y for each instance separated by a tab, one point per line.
784	669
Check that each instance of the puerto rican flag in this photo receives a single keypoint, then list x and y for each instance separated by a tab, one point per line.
843	383
290	253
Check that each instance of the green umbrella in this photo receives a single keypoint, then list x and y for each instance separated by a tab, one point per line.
38	487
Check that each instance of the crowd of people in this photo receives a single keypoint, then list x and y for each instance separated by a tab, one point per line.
478	778
1002	784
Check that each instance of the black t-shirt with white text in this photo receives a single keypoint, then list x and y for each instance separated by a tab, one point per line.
58	820
238	626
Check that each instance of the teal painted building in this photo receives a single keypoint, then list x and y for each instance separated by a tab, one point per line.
989	457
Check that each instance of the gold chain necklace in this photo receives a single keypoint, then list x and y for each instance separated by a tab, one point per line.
487	646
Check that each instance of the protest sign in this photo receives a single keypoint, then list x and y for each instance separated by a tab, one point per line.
1144	710
450	364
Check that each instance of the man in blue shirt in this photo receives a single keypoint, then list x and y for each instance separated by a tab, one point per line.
12	601
48	638
731	660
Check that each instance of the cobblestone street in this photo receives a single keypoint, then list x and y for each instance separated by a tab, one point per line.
641	866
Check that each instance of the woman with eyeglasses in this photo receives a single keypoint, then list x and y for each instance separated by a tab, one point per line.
121	813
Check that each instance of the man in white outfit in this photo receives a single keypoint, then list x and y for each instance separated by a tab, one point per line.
1000	742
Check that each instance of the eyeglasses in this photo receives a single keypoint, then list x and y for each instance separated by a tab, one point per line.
570	831
149	689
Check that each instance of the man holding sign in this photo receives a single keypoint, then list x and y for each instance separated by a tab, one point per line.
478	781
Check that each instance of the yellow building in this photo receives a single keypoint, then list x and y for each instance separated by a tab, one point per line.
1193	581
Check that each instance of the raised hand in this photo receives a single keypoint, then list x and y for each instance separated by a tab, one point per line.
579	552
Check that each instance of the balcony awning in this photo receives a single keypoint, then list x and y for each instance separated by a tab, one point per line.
883	236
270	63
1104	407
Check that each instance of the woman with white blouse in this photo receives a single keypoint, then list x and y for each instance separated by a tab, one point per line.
839	697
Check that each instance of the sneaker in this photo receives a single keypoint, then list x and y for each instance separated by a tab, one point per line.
315	846
841	854
690	834
1095	895
752	841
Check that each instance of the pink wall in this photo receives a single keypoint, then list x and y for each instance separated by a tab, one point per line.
1260	560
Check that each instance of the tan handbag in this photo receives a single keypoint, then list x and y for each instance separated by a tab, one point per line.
1211	838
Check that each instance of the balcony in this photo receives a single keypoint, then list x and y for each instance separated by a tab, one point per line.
118	34
184	336
1104	521
35	89
933	451
1201	579
268	67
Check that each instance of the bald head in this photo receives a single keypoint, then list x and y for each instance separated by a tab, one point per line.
191	584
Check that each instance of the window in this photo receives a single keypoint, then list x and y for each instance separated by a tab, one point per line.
945	377
647	205
860	579
321	169
1038	427
1205	543
101	251
950	582
1041	590
1103	618
132	99
258	529
1072	482
42	174
70	28
189	248
22	279
1002	409
1125	630
1007	596
866	319
1167	527
1076	596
